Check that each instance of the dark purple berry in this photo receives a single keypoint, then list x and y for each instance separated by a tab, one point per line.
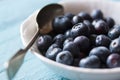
67	41
90	26
85	16
64	57
90	62
101	51
101	27
115	46
43	42
103	40
73	48
97	14
113	60
59	39
61	24
79	29
114	32
110	22
82	42
52	53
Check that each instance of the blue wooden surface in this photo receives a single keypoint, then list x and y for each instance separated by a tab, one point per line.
12	13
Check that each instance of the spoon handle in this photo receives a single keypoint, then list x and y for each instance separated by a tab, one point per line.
13	65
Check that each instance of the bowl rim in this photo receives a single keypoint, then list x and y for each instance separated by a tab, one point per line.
67	67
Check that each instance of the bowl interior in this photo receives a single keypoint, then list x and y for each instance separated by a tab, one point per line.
29	27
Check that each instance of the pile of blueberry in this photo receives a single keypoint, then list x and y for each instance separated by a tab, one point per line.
83	40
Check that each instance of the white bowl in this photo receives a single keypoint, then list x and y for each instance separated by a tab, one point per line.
29	27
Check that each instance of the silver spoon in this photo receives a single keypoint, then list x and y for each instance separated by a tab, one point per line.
45	16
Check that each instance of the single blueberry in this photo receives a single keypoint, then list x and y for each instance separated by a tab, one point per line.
82	42
43	42
67	41
90	62
110	21
113	60
103	40
115	46
97	14
61	24
114	32
73	48
80	29
101	27
59	39
101	51
85	16
52	53
64	57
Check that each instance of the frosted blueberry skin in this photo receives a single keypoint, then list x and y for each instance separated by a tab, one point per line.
61	24
73	48
103	40
101	27
97	14
90	62
113	60
80	29
85	16
51	53
115	46
114	32
43	42
101	52
64	57
82	42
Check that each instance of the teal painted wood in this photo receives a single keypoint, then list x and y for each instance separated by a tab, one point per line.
12	13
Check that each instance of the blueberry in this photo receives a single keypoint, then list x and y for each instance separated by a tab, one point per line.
82	42
68	34
103	40
73	48
52	53
110	21
97	14
59	39
76	19
115	46
64	57
101	51
114	32
95	21
90	62
90	26
113	60
69	15
85	16
43	42
80	29
101	27
67	41
61	24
